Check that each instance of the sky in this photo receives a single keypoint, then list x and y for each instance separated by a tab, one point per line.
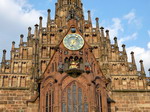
128	20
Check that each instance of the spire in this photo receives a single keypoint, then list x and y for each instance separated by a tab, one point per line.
13	45
4	57
21	39
40	24
89	16
102	39
142	68
124	49
36	31
29	31
97	22
49	17
133	59
107	34
102	31
116	42
124	52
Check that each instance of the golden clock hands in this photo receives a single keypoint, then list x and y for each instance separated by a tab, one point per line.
73	42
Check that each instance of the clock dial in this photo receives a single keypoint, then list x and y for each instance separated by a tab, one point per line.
73	42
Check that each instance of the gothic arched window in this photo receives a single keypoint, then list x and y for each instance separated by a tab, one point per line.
74	99
49	101
99	102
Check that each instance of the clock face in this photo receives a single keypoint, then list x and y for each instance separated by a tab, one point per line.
73	42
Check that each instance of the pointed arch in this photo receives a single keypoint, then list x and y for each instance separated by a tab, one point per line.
82	77
74	98
47	94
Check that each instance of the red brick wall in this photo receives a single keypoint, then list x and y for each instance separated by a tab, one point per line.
131	101
15	101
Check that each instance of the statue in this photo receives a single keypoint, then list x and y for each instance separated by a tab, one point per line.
74	64
72	15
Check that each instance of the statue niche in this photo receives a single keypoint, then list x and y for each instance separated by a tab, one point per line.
74	63
73	66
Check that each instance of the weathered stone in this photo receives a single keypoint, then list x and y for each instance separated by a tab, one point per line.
44	71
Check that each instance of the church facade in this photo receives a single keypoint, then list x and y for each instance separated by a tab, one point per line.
71	66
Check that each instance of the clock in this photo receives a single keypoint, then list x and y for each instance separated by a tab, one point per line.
73	41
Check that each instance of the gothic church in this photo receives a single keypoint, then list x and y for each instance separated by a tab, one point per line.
71	66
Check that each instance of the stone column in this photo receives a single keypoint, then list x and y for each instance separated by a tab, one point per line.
0	81
10	80
60	97
19	81
89	16
104	100
142	68
92	103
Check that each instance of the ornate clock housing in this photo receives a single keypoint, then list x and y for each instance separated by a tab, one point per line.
73	42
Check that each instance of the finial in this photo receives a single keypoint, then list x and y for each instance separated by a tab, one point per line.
13	45
133	60
48	18
132	56
123	46
107	34
115	39
102	31
4	56
4	51
97	22
89	16
21	39
36	31
142	68
40	24
29	31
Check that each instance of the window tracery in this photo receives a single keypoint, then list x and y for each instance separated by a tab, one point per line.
49	101
74	99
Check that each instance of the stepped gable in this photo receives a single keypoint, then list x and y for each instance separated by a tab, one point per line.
69	65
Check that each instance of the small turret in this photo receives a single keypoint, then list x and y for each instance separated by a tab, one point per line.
3	61
4	56
115	41
40	23
89	17
29	31
124	52
124	49
107	35
133	60
142	68
36	31
48	18
102	32
21	39
97	23
13	46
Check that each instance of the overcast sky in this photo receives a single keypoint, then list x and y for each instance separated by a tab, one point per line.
129	20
